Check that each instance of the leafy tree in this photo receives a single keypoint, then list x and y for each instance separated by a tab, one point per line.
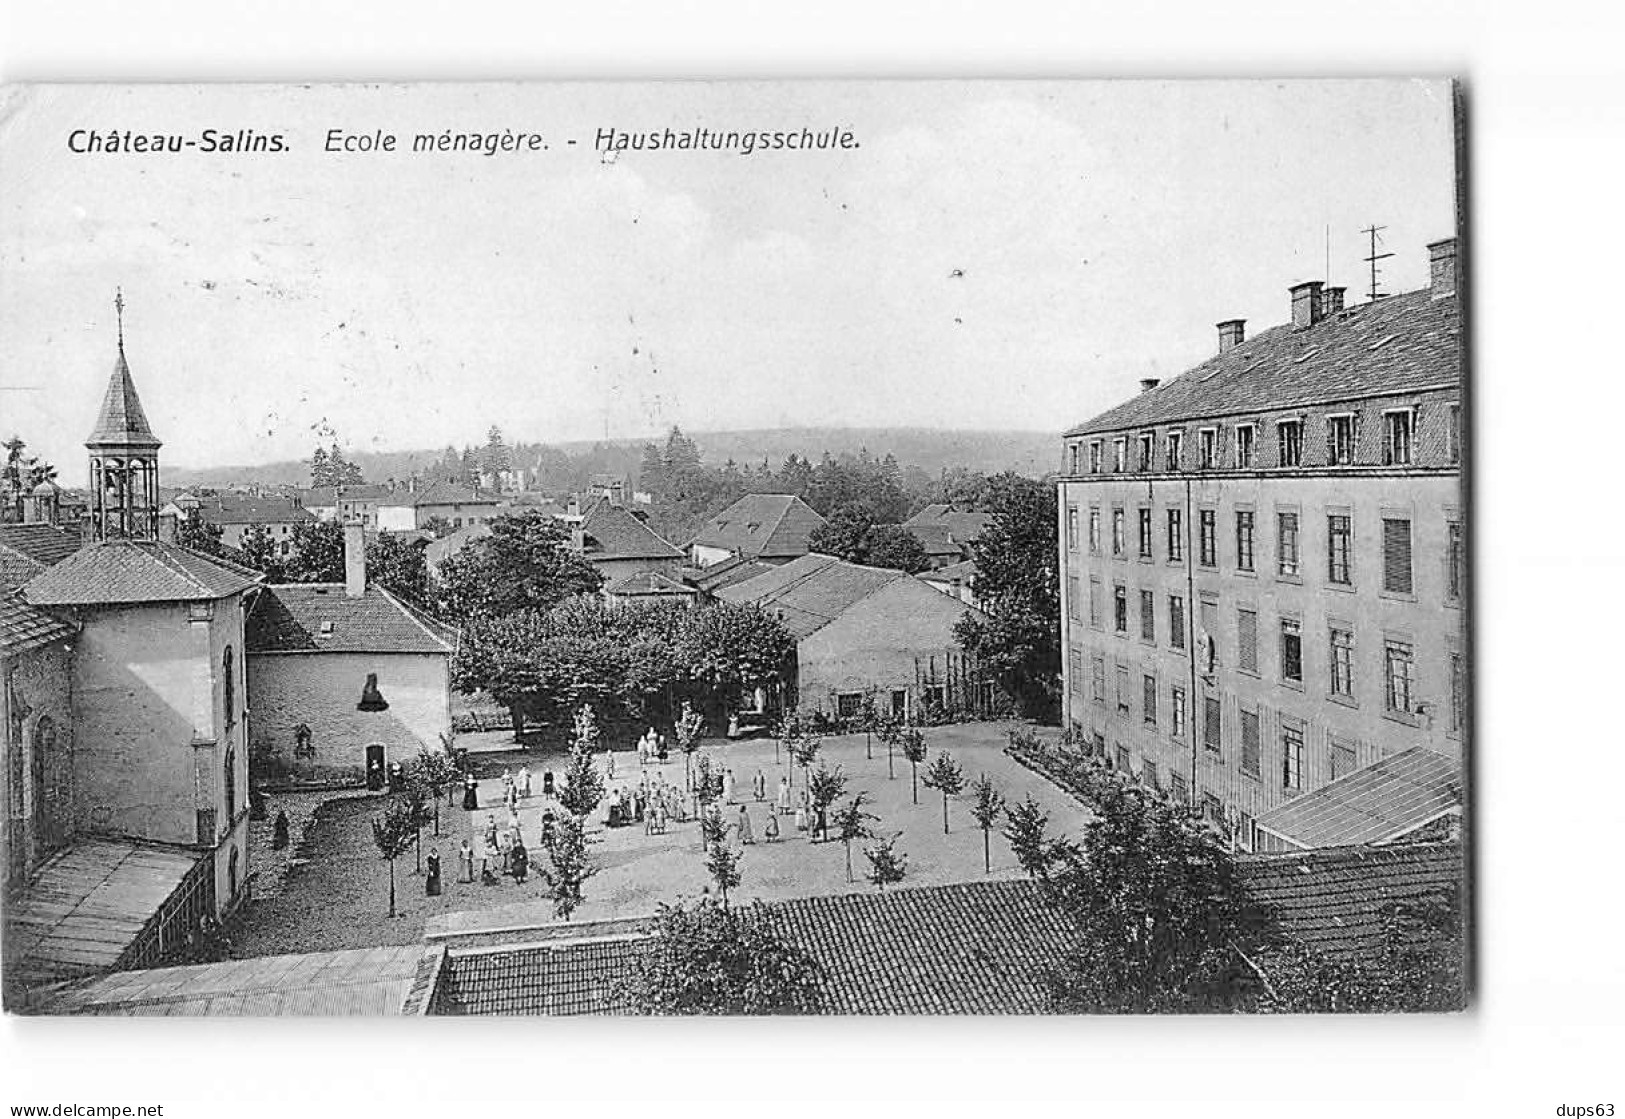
259	550
824	786
584	786
524	565
914	750
804	751
497	459
851	823
722	863
1025	830
587	735
393	832
987	806
434	768
198	534
845	534
786	733
321	471
688	730
569	865
1017	585
416	799
896	547
887	865
889	731
398	565
947	778
1158	910
316	554
717	959
726	648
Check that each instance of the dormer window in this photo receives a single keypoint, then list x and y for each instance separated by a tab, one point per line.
1340	439
1246	437
327	629
1397	430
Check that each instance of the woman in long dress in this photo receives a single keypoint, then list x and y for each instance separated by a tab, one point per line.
746	835
803	818
471	793
727	786
758	786
784	796
772	831
524	781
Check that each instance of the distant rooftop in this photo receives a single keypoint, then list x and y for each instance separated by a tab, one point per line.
321	617
762	526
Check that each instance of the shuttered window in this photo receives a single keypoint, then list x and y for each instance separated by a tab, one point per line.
1453	560
1396	555
1097	670
1344	758
1120	608
1247	640
1249	742
1145	533
1148	699
1122	691
1176	621
1207	525
1177	788
1176	535
1094	603
1244	541
1074	598
1148	616
1212	737
1148	773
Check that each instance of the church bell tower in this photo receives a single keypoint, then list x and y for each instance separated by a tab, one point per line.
123	458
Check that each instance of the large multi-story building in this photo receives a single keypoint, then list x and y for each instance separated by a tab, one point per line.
1263	561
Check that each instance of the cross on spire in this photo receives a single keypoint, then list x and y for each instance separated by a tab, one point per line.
118	306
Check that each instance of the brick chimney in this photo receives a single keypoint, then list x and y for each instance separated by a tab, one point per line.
1232	333
1306	304
1442	267
1331	301
1149	383
355	560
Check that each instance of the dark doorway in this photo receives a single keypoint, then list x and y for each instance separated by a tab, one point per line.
375	766
899	703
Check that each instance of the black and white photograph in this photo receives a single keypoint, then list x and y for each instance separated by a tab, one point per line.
875	548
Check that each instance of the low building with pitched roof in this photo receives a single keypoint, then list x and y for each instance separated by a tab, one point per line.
238	514
767	527
866	633
345	678
619	544
414	507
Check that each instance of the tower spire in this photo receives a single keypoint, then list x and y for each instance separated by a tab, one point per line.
118	306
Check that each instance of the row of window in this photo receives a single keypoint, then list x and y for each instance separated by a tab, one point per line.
1239	447
1398	661
1399	667
1397	550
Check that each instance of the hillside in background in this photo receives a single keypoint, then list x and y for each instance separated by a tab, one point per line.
1027	452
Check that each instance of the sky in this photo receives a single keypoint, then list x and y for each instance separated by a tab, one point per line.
988	255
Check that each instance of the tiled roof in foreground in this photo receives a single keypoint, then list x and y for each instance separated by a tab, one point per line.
1377	803
322	618
22	627
969	948
1332	900
1404	343
134	571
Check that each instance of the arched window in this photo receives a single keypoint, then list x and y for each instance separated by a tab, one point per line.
229	670
231	784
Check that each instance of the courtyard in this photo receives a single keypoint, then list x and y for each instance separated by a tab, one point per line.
334	893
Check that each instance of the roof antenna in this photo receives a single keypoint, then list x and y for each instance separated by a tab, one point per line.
118	306
1372	232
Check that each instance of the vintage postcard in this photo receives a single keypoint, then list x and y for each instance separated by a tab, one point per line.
735	548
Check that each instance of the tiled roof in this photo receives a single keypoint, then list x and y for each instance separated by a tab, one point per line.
1332	899
969	948
237	510
936	539
326	497
290	618
1375	804
128	571
771	525
22	627
807	594
613	533
734	569
961	525
355	982
962	572
649	583
1404	343
440	493
28	549
122	421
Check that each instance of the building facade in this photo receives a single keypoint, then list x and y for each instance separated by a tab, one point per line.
1264	560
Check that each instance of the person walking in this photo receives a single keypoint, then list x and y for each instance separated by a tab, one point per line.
465	855
471	793
431	874
524	781
772	830
727	786
746	834
784	796
758	786
521	861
